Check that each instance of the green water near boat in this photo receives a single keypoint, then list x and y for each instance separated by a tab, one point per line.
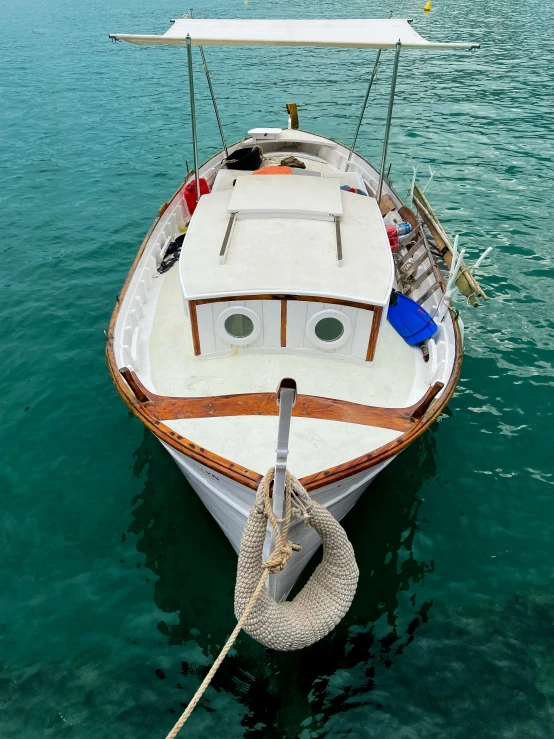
117	587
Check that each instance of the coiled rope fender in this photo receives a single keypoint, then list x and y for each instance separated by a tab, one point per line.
327	595
322	602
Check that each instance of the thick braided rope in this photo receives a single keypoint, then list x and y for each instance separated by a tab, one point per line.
325	598
276	562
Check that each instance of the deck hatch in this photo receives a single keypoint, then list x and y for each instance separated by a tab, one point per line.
291	197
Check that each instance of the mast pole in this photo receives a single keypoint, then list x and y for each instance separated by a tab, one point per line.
375	66
389	120
193	117
212	93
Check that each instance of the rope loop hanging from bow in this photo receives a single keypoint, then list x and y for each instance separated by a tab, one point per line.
319	606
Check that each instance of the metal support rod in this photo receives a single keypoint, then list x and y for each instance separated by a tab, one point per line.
373	74
193	117
212	93
389	120
286	399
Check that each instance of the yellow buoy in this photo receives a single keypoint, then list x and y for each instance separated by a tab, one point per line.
427	6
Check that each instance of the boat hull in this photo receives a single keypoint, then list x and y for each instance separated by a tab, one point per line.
230	502
226	487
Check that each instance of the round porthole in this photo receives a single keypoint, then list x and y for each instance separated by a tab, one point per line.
238	325
329	329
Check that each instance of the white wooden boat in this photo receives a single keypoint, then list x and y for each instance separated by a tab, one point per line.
283	276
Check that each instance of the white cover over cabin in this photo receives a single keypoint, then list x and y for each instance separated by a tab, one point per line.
289	250
284	239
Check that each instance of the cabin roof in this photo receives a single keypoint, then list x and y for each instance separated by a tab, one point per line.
287	246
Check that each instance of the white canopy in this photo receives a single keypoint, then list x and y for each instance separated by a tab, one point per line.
353	33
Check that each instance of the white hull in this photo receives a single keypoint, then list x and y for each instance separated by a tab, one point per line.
230	502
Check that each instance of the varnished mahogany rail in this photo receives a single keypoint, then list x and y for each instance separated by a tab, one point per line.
162	408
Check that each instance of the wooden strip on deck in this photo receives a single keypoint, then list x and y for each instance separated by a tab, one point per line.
264	404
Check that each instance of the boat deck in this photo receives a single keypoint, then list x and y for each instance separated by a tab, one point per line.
390	381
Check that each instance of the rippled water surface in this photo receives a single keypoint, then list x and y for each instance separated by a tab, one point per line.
117	586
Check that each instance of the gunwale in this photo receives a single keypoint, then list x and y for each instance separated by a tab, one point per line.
239	473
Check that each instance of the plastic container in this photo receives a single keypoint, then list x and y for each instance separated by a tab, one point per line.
411	321
399	229
190	193
393	236
248	159
403	228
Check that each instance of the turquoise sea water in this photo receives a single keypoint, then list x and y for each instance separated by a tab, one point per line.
117	586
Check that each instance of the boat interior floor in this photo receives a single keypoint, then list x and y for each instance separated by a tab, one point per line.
391	380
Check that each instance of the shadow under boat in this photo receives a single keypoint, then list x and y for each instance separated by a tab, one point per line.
196	567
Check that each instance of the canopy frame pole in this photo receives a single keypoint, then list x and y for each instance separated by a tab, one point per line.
389	120
193	117
373	74
212	93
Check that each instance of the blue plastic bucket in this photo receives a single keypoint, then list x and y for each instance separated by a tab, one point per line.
411	321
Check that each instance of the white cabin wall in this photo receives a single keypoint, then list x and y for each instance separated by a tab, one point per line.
206	332
362	330
299	312
296	322
271	322
211	343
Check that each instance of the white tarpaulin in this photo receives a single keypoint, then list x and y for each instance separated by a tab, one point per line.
358	33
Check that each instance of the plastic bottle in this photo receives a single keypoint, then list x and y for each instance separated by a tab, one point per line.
403	228
393	236
399	229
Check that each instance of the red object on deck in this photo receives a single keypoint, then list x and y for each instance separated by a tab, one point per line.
190	193
393	236
273	169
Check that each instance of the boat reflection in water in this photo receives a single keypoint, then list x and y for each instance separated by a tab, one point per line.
195	568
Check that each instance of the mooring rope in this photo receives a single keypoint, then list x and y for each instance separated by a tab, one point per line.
276	563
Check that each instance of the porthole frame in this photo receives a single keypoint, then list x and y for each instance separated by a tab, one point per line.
329	346
228	338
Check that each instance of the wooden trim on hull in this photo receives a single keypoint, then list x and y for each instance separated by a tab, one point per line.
238	473
224	466
218	464
340	472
